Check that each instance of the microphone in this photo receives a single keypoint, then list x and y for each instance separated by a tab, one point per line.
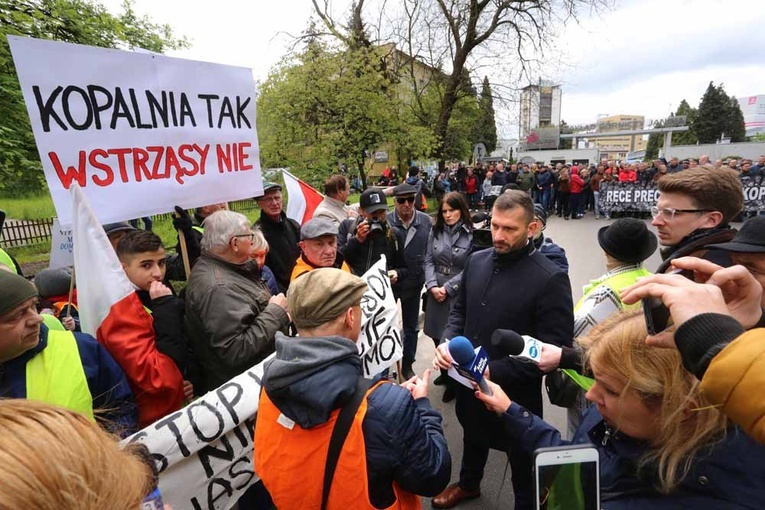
469	363
509	343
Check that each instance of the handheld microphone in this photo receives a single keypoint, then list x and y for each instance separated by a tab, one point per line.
470	363
509	343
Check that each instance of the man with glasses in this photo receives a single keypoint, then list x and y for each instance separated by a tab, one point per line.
694	210
231	318
281	232
414	228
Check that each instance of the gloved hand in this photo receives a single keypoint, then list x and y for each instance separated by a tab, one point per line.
183	221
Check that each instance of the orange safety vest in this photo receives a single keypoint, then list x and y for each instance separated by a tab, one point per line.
291	463
302	267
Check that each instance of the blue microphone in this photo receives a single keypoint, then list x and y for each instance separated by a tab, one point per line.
469	363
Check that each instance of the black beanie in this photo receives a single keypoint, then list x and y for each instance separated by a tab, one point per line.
14	290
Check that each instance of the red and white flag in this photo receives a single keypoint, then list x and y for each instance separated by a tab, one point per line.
111	311
302	199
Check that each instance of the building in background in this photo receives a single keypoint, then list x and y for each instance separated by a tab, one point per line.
540	115
617	147
753	108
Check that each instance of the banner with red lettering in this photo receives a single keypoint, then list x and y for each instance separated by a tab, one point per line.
139	132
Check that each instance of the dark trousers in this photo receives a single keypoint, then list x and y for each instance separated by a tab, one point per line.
483	431
576	204
410	315
563	207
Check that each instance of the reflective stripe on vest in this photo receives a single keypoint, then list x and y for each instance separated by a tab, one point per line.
291	463
52	322
6	260
198	229
56	375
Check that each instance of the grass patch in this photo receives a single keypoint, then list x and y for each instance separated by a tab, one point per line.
28	208
38	252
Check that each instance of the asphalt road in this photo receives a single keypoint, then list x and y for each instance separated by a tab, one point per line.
586	261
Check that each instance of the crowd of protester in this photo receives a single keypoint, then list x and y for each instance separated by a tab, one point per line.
675	415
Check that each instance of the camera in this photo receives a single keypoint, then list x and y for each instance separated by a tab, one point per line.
377	227
482	230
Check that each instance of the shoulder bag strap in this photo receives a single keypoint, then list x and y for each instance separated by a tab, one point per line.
339	433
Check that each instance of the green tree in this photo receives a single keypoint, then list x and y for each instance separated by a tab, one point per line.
74	21
486	127
737	128
328	106
718	115
565	129
655	143
686	137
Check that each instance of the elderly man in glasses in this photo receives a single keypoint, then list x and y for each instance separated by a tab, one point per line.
231	317
414	228
694	210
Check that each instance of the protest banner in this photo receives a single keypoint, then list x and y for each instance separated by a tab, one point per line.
61	246
630	197
380	343
138	132
204	452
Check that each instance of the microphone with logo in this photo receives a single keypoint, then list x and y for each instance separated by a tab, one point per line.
507	342
470	363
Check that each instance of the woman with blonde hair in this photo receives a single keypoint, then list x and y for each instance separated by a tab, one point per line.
661	444
52	458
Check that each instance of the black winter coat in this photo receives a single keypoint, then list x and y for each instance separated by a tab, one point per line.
283	237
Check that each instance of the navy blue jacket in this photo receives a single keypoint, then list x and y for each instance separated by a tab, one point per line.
552	251
545	180
106	381
415	245
730	474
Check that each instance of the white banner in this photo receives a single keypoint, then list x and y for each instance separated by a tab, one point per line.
380	343
138	132
61	246
204	451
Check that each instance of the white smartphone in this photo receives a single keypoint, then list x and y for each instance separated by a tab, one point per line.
567	478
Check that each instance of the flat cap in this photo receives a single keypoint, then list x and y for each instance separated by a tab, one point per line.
317	227
14	290
322	295
111	228
269	186
403	190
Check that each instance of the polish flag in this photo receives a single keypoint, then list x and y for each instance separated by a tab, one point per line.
302	199
111	311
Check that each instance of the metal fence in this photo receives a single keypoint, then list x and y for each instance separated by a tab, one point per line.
25	232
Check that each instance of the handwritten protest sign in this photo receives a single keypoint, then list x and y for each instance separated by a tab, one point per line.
204	451
380	343
61	247
139	132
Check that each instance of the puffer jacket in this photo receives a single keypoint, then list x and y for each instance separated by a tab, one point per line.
730	474
577	183
229	320
403	438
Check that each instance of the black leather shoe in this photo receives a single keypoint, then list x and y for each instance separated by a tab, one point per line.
449	394
407	372
440	380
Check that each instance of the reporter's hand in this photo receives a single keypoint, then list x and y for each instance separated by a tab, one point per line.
498	402
686	299
443	359
279	299
158	289
393	275
68	323
417	386
550	357
362	230
439	294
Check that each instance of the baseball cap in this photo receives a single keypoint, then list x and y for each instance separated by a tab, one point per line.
373	200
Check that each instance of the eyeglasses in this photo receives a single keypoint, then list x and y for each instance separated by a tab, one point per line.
668	213
403	200
250	236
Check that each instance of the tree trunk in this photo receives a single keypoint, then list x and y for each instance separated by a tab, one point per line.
447	107
362	173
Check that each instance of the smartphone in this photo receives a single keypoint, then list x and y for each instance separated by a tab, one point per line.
567	478
656	315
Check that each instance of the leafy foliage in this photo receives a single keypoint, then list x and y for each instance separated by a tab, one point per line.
74	21
328	107
719	114
486	127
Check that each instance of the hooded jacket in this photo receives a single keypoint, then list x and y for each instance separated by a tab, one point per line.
312	376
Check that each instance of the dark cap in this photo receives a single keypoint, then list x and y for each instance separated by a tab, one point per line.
373	200
322	295
403	190
750	239
269	186
15	290
627	240
317	227
111	228
539	212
